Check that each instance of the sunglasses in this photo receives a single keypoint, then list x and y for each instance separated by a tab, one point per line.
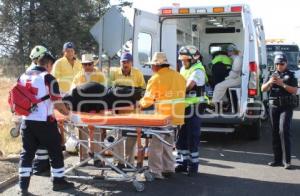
87	64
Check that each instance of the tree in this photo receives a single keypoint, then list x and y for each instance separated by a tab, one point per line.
26	23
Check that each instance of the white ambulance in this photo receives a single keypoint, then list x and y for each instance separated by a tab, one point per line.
210	29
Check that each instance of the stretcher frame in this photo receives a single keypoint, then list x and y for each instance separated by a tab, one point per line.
68	127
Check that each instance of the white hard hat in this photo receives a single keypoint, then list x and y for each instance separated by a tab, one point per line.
37	52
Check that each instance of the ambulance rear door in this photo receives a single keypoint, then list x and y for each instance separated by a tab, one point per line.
146	40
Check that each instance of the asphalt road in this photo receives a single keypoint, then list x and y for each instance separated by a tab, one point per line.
230	165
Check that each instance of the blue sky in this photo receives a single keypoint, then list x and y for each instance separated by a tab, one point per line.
281	18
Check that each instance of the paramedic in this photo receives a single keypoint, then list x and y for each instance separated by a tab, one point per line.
282	86
41	164
40	127
165	84
221	65
189	134
127	75
234	78
88	74
66	67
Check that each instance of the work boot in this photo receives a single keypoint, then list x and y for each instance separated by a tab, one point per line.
62	185
275	164
181	169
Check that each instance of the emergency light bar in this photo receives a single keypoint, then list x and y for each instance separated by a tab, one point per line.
166	11
184	11
236	9
218	9
176	10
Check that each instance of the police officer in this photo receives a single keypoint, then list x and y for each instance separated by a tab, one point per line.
189	134
40	127
282	86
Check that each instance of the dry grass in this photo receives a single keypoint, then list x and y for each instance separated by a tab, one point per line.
8	145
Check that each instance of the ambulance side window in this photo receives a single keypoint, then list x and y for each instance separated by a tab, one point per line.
144	48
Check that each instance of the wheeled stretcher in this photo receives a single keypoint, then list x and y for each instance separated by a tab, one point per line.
126	125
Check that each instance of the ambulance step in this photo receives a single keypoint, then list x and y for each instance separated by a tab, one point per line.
217	129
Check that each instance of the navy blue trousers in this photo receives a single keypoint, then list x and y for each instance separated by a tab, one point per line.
188	141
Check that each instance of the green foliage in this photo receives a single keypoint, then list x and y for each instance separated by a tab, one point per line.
26	23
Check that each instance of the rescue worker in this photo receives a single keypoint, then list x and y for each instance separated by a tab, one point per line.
127	75
221	65
166	84
234	78
41	165
282	86
40	127
65	68
189	134
88	74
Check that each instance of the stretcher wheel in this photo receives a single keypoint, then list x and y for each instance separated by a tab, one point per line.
14	132
139	187
148	176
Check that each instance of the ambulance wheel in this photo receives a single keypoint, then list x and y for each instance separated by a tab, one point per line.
14	132
253	131
139	187
148	176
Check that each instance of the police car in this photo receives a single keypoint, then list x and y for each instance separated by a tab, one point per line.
210	29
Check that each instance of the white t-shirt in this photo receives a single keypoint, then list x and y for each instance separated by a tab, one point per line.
198	77
87	76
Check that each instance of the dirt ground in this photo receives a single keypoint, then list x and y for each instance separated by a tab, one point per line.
8	168
8	145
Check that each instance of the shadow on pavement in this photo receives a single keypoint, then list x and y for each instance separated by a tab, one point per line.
236	147
207	184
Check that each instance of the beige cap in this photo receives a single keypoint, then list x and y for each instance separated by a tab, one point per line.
87	58
159	58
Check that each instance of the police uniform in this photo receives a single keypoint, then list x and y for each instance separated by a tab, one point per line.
281	108
189	134
40	127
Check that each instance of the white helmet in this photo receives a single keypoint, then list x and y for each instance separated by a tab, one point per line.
37	52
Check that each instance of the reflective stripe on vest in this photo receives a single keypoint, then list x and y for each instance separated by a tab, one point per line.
223	59
186	73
